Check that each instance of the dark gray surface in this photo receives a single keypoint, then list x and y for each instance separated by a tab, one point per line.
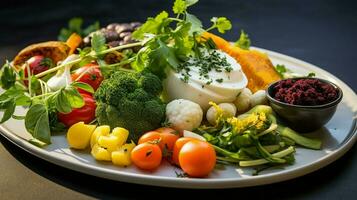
320	32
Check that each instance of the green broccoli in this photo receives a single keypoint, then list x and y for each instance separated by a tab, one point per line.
130	100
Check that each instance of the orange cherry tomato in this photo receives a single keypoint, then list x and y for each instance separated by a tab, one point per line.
146	156
150	136
177	148
165	137
168	141
167	130
197	158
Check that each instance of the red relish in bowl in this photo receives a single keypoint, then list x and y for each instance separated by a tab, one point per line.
306	92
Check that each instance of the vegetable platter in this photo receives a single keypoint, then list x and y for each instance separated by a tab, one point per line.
169	103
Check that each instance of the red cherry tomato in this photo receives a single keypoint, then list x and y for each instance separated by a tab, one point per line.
85	113
197	158
37	64
91	75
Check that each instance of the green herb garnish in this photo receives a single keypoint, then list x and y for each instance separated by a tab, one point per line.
243	42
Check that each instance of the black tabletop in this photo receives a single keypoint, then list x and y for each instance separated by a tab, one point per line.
320	32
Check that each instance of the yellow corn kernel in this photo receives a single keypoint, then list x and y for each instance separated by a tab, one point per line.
99	131
110	142
100	153
122	135
79	135
121	157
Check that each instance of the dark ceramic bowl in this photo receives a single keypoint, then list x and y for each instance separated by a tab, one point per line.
304	118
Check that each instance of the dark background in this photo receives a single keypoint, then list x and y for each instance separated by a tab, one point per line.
320	32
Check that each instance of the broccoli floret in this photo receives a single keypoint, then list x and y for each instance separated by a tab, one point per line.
130	100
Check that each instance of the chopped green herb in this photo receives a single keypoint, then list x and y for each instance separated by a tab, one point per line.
220	80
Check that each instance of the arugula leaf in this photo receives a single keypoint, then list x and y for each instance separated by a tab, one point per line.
152	25
37	123
243	42
75	26
221	23
84	86
179	7
98	42
8	76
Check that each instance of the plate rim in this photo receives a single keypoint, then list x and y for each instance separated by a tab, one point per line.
197	183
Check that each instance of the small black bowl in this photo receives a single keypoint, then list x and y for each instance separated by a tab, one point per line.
304	118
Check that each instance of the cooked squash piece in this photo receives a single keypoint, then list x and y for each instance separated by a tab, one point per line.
257	67
55	50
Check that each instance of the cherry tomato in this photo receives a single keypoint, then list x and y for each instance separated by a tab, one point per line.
37	64
165	137
151	136
167	130
167	143
85	113
147	156
177	148
91	75
197	158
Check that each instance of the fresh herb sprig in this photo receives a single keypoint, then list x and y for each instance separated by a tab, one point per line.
170	41
244	41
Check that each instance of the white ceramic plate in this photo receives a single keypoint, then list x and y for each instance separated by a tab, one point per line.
338	136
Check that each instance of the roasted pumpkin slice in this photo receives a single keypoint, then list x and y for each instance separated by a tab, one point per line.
55	50
257	67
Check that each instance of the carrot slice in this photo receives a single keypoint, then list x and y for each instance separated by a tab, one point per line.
73	42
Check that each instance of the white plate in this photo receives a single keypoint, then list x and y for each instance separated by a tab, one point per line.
338	136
